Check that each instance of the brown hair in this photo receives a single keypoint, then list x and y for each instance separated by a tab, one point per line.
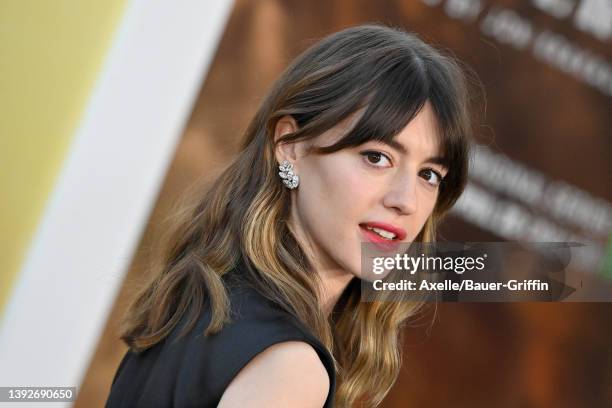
244	214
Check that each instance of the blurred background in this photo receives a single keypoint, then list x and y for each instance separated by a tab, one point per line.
541	172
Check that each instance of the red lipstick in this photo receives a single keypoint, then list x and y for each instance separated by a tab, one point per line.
380	242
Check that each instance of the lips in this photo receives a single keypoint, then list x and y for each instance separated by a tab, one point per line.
379	241
399	233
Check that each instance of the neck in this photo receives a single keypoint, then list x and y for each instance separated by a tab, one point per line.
333	284
333	279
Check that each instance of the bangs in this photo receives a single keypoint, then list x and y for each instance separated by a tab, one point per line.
389	104
393	99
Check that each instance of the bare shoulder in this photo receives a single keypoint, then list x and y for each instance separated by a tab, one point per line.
287	374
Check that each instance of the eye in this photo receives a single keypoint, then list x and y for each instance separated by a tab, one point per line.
376	159
431	176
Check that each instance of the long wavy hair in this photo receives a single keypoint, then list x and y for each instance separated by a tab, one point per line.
244	214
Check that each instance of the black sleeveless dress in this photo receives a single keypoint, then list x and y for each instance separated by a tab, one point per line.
194	370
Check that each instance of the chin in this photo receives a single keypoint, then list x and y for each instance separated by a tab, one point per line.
352	268
357	271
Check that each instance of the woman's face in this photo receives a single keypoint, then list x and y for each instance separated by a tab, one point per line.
370	193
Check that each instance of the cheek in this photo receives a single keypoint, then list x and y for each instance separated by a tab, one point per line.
332	202
427	203
330	192
429	200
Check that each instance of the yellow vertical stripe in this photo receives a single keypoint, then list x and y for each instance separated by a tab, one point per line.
50	55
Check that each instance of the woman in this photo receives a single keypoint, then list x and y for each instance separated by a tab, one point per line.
256	301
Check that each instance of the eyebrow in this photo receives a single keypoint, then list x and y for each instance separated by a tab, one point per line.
402	149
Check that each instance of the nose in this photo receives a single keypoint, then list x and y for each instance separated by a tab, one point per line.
401	194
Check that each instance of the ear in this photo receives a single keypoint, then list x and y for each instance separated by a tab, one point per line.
285	151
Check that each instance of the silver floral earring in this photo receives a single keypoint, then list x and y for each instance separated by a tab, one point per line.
290	179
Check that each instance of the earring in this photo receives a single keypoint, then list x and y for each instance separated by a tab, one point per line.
286	173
